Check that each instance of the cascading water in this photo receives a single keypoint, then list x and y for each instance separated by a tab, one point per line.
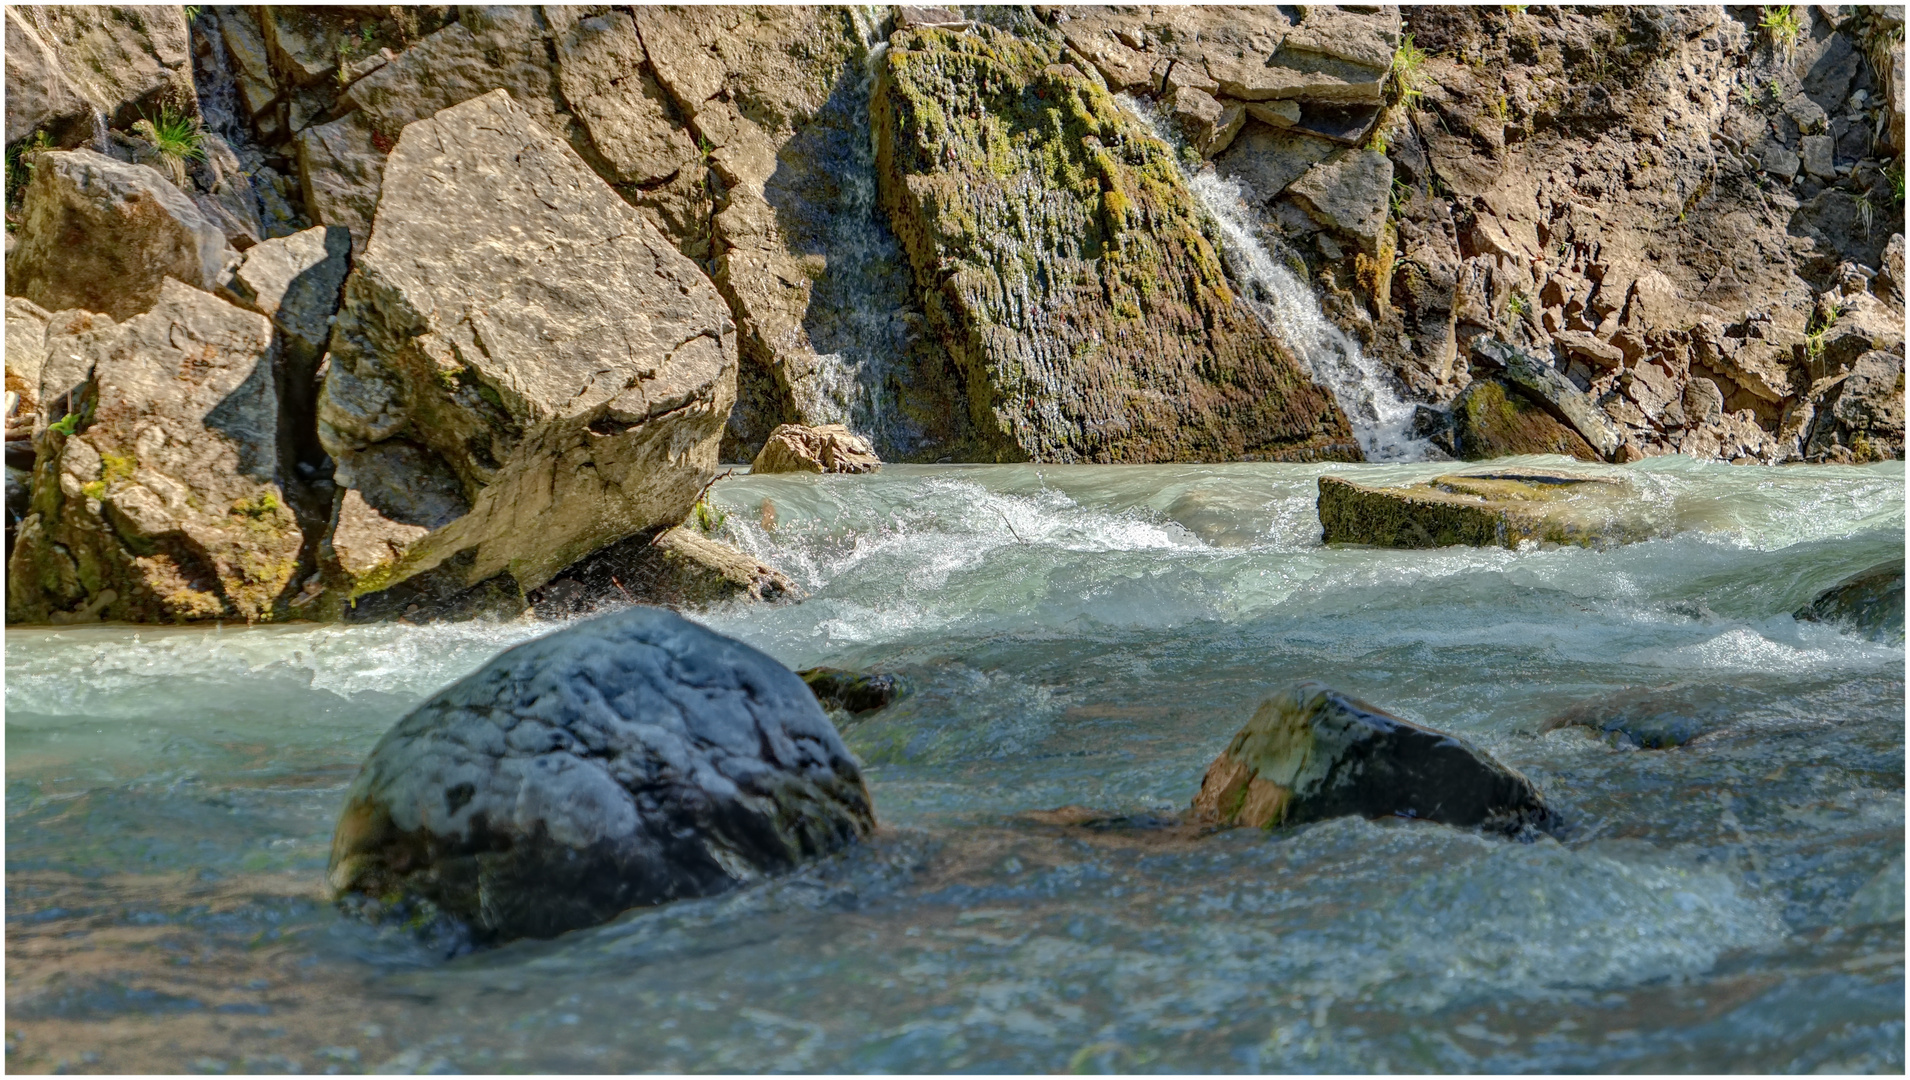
1369	396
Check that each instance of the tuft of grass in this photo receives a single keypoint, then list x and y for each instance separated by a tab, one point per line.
20	163
192	11
709	519
1782	27
66	425
177	137
1409	75
1378	143
1517	306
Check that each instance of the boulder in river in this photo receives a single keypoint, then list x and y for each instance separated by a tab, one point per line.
523	370
678	568
1503	508
1311	753
1869	603
1658	718
624	761
851	691
830	448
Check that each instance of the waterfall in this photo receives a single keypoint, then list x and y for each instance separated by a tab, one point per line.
1368	394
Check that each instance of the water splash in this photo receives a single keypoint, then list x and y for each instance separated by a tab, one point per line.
1368	394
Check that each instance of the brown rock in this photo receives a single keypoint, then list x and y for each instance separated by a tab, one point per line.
121	62
831	448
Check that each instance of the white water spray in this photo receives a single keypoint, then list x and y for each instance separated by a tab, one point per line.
1369	395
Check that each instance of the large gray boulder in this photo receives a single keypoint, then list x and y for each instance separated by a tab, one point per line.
520	341
164	496
628	760
67	63
1348	192
101	235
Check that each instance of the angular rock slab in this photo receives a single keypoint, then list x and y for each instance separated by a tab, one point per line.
1868	603
67	63
629	760
101	235
1491	419
167	493
1504	508
830	448
1311	753
678	569
519	340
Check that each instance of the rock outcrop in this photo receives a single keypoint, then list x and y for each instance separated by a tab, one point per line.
163	491
678	568
1311	753
831	448
1498	509
101	235
628	760
522	372
69	63
1868	603
1067	271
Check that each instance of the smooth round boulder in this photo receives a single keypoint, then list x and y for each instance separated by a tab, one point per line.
1868	603
626	760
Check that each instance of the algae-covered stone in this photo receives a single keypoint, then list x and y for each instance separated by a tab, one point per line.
851	691
1491	420
628	760
1498	509
1552	391
1869	602
1311	753
1068	270
831	448
165	493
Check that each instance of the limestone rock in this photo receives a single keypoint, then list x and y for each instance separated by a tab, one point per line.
517	334
487	49
1819	156
167	493
1491	419
1311	753
851	691
1495	509
676	568
831	448
25	352
1208	125
1869	602
625	761
1123	342
1347	192
605	79
101	235
1267	159
1552	391
120	62
1860	417
341	169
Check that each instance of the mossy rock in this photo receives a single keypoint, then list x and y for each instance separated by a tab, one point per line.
1491	420
1498	509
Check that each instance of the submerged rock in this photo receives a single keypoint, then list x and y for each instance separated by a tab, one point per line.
831	448
523	370
1657	719
851	691
1497	509
629	760
1312	753
1869	603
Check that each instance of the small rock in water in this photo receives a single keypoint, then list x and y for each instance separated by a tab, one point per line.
1311	753
1657	719
1868	603
851	691
1497	509
632	759
831	448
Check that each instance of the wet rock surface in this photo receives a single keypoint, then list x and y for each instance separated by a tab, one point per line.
1869	603
629	760
852	691
1497	509
677	568
831	448
1660	718
1311	753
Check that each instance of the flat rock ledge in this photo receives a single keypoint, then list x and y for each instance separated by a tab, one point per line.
830	448
1311	753
1503	508
627	760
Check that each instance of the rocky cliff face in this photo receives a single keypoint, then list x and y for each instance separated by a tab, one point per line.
957	231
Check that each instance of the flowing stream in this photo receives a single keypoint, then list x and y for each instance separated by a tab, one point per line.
1085	635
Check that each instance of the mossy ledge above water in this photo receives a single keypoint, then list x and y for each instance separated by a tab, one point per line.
1499	509
1068	271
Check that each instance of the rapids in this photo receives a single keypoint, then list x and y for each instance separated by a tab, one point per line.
1084	635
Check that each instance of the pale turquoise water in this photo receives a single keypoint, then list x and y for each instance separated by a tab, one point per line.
1085	635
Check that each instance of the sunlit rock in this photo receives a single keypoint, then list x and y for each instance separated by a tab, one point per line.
831	448
629	760
1498	509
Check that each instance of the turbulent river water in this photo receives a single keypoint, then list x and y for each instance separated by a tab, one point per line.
1072	635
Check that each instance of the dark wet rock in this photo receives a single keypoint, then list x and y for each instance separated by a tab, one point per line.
1657	719
852	691
676	568
1491	419
1311	753
1868	603
625	761
1503	508
1552	391
830	448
